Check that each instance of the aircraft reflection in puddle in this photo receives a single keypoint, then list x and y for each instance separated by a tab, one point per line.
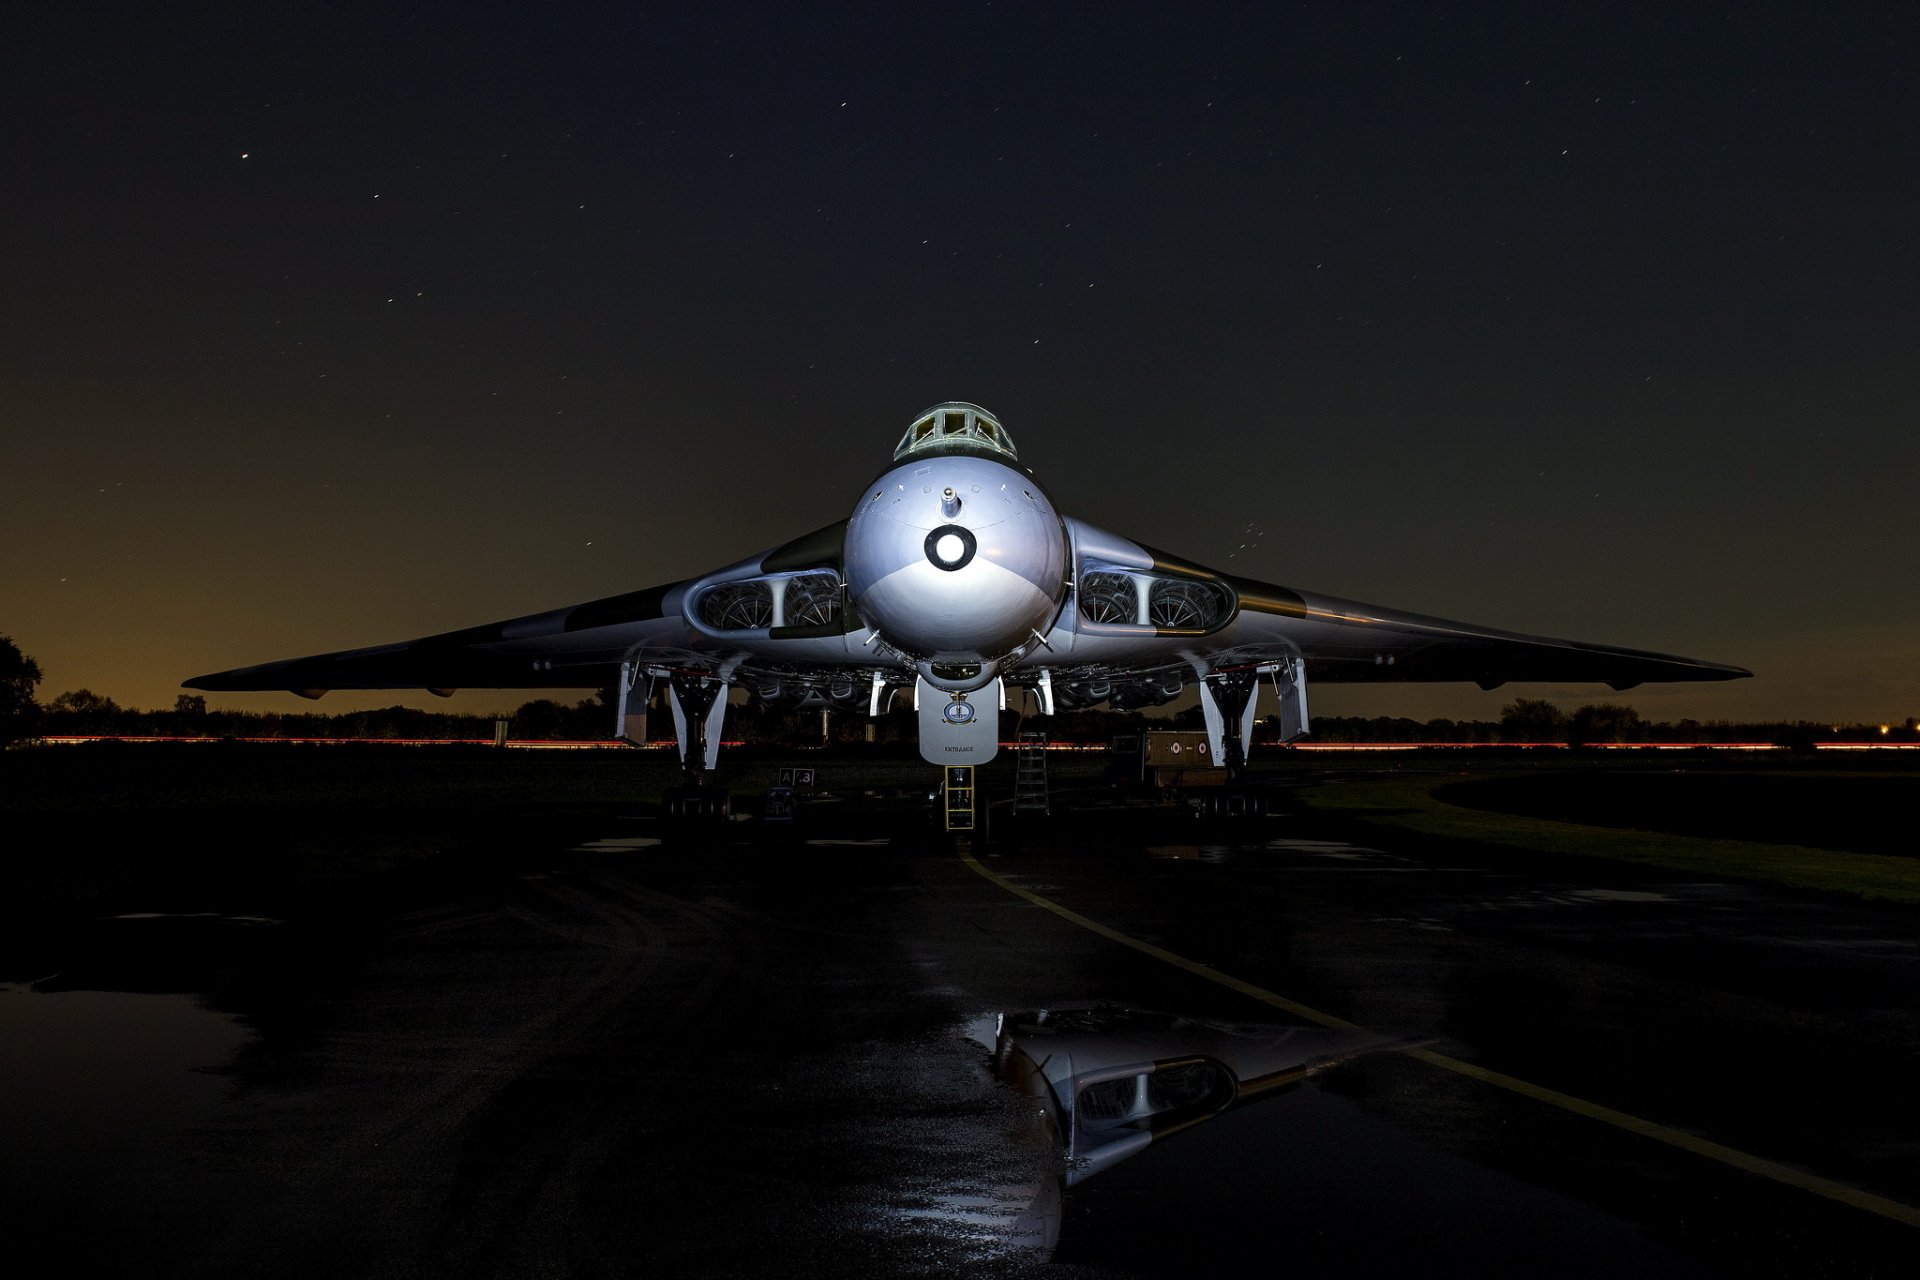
1108	1081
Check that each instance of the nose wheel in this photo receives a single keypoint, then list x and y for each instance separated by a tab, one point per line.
685	812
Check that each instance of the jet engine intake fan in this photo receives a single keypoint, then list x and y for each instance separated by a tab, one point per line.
1109	597
1183	606
813	600
738	606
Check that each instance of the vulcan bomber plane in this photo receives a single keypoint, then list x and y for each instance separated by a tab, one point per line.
955	580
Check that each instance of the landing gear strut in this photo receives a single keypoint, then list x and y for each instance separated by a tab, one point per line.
1228	702
699	705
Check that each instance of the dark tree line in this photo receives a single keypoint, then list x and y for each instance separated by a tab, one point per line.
1535	720
81	712
19	677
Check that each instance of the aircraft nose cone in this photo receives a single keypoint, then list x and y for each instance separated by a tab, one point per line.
956	558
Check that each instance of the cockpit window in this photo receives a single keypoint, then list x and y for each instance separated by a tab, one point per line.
956	422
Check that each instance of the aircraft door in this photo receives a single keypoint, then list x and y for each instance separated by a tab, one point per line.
958	728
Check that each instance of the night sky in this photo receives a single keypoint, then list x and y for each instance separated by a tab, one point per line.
328	325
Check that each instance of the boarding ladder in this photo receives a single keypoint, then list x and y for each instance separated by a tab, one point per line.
1030	773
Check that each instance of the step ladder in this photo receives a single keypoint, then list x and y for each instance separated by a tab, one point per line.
1030	774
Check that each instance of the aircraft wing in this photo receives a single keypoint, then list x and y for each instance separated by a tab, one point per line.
778	622
1346	641
1140	618
578	647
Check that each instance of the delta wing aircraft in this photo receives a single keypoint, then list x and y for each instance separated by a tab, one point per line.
955	579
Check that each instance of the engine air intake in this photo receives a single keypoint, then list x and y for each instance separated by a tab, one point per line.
759	604
1127	598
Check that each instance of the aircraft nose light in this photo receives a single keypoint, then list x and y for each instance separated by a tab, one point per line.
951	547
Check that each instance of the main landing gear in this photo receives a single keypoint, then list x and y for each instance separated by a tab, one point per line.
699	706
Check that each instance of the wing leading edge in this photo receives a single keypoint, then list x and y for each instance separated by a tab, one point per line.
1138	608
573	648
1344	641
585	646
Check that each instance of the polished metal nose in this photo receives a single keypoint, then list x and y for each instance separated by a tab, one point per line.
949	503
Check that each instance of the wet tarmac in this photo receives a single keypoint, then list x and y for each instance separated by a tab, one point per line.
856	1056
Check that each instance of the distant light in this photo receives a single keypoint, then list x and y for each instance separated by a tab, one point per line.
1884	728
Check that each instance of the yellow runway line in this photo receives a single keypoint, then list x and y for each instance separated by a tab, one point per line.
1783	1174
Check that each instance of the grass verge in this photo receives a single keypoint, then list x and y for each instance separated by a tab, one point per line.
1407	804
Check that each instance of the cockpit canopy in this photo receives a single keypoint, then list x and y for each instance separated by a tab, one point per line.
955	423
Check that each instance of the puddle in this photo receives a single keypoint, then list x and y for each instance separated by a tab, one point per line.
617	844
193	915
96	1083
1620	895
1320	846
1190	852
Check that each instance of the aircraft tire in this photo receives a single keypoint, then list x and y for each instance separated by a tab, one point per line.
695	806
